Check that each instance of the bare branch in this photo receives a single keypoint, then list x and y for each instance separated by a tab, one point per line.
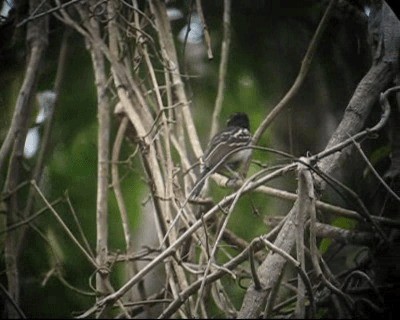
223	66
305	65
205	28
37	41
65	227
34	16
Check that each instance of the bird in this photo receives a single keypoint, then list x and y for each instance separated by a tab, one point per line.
226	150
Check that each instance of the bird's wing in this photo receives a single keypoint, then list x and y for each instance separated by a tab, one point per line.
225	142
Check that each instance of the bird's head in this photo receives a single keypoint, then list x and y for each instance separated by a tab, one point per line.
239	119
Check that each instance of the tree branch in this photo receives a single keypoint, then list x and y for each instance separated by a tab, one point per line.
37	41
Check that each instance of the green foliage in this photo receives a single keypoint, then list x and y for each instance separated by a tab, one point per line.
340	222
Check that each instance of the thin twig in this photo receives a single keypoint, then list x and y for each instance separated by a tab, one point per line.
254	275
78	225
364	210
297	265
207	37
72	287
223	66
29	219
305	66
376	174
47	12
12	302
62	223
